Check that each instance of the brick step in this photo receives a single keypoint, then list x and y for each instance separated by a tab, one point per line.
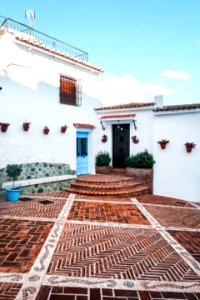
102	179
109	186
142	190
117	171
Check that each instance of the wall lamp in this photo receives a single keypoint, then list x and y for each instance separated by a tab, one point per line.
101	122
134	121
1	88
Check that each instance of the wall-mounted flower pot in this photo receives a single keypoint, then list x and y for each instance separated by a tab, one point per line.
26	126
63	129
104	138
163	143
46	130
4	126
135	140
189	147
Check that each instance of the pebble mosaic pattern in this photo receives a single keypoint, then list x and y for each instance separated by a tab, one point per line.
57	246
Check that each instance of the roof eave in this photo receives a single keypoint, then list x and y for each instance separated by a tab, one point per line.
72	61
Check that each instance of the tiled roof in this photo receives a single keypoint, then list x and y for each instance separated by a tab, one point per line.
178	107
83	125
25	38
118	116
128	105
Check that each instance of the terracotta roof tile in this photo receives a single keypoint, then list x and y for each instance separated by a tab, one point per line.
25	38
118	116
83	125
128	105
177	107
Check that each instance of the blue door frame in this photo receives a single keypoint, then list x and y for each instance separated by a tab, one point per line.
82	152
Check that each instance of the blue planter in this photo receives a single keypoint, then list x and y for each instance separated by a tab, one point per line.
12	195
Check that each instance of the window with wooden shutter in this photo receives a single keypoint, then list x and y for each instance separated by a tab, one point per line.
70	91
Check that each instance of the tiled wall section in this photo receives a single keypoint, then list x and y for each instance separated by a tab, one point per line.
41	170
47	187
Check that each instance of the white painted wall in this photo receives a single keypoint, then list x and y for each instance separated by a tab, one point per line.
176	172
144	131
31	94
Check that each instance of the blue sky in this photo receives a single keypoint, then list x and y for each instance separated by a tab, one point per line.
146	47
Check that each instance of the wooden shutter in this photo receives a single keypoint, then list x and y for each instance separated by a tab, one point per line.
67	90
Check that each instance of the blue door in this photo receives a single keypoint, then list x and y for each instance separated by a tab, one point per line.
82	153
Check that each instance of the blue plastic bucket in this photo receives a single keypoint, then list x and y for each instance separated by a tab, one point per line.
13	195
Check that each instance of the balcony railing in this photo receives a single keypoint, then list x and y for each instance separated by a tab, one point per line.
47	40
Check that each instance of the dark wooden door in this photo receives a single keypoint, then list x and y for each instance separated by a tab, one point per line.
121	144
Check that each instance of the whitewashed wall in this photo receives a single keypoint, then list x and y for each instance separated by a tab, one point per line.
31	94
176	172
144	131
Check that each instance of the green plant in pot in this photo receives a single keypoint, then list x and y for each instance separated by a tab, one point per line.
102	162
140	160
13	171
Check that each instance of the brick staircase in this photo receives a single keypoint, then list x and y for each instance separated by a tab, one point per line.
107	185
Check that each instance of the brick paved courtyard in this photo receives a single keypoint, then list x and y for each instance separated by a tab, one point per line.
63	246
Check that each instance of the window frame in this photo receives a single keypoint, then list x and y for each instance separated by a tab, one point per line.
70	91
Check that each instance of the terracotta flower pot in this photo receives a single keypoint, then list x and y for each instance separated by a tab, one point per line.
188	149
104	138
189	146
26	126
163	145
4	126
46	130
63	129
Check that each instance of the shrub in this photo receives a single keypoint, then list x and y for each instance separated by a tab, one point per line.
13	171
103	159
140	160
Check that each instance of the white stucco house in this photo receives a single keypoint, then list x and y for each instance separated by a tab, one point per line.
43	82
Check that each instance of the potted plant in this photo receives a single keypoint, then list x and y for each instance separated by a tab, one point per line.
26	126
13	171
4	126
63	128
189	146
140	167
103	160
104	138
135	140
46	130
163	143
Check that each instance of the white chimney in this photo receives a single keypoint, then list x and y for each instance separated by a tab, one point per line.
159	101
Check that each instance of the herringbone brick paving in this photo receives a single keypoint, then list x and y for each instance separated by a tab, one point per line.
190	241
33	208
92	261
20	243
106	212
115	252
154	199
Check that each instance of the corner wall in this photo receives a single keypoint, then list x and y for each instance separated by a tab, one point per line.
176	172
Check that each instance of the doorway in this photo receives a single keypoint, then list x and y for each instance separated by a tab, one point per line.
121	144
82	153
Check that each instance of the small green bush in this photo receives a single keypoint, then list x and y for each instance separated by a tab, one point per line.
103	159
140	160
13	171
